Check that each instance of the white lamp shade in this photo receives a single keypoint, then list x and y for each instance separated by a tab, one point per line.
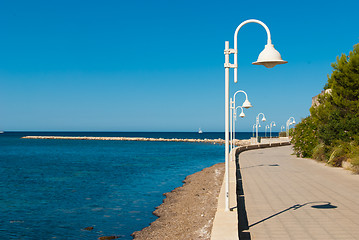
247	104
242	115
259	125
264	119
269	57
274	125
293	121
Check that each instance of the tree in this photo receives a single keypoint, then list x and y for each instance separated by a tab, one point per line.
337	116
335	120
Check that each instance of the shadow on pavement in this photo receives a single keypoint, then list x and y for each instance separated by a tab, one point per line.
243	225
243	234
262	165
322	205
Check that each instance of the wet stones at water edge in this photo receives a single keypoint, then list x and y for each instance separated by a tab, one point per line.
88	228
101	238
108	238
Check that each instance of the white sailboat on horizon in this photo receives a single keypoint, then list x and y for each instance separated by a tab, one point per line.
200	130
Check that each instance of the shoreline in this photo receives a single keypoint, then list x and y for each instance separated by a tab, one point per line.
188	211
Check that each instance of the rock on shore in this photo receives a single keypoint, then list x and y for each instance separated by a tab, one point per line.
187	212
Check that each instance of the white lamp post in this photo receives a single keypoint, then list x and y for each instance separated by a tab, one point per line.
265	131
258	125
254	126
246	104
242	115
272	124
269	57
281	128
290	121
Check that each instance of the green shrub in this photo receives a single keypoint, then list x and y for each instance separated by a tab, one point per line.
291	132
320	152
339	153
304	138
354	155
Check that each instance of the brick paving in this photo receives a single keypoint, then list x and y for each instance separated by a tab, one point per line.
293	198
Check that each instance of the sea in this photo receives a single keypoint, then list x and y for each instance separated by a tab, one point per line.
56	189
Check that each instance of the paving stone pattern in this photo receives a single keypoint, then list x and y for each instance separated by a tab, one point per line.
293	198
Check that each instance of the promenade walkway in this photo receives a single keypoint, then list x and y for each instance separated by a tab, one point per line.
292	198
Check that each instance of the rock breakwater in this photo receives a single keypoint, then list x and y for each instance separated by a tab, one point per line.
212	141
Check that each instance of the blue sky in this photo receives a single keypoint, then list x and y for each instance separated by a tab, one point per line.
158	65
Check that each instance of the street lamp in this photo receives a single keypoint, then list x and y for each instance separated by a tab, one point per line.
254	126
269	57
258	125
265	131
272	124
246	104
290	121
242	115
281	128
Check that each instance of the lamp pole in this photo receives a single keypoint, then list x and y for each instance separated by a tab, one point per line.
265	131
257	124
269	57
231	126
242	115
281	128
290	121
246	104
272	124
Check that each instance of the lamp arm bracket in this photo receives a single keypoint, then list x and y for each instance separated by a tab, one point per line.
229	65
230	51
269	40
234	96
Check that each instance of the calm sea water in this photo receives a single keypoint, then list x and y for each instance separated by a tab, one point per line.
53	189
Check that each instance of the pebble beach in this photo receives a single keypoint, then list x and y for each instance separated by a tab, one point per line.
187	212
